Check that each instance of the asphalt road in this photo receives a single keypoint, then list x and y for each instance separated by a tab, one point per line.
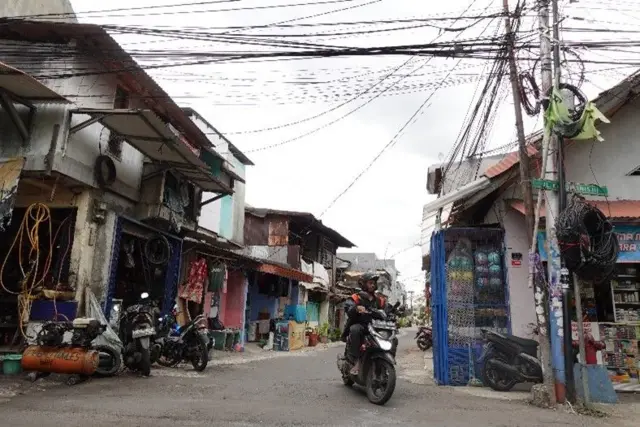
297	390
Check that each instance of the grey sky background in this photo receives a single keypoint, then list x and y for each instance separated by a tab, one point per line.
382	212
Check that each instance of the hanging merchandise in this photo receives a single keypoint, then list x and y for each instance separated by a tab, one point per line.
193	289
587	240
217	274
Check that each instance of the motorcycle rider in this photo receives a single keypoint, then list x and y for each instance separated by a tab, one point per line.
355	306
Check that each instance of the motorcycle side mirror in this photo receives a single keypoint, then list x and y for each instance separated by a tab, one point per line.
144	295
396	305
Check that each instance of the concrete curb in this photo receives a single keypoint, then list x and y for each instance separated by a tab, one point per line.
246	357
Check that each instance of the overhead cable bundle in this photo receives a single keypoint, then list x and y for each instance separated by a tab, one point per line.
587	240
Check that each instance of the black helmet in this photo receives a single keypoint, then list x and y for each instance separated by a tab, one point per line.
368	276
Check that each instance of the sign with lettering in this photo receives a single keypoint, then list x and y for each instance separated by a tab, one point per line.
628	243
572	187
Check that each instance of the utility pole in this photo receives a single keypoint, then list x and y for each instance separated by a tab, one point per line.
556	322
525	171
527	193
564	274
411	301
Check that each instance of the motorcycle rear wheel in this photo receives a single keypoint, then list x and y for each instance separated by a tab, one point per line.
145	362
110	361
384	367
496	380
201	357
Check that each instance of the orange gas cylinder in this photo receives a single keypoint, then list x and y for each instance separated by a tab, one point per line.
60	360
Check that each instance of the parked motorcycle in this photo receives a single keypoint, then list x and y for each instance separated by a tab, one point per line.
190	342
507	360
136	332
424	337
377	357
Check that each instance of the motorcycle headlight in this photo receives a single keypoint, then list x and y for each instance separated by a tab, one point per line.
384	344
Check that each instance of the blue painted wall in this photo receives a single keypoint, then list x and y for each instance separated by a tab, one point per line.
226	217
259	302
313	311
295	292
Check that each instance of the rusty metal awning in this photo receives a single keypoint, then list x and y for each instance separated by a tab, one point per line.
614	209
145	131
26	87
287	272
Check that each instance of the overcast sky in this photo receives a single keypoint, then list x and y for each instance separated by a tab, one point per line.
382	212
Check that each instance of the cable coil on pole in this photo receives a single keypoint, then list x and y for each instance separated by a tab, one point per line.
587	240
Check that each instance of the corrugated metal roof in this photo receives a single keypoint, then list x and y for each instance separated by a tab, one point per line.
150	135
509	161
615	209
95	40
26	87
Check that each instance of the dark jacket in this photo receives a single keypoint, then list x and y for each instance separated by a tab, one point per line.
360	298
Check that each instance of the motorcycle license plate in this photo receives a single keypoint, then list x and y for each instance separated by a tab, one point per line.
146	332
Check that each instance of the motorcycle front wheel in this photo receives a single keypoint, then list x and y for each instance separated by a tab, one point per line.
381	382
200	356
498	381
424	344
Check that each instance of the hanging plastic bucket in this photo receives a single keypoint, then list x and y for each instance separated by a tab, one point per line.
11	364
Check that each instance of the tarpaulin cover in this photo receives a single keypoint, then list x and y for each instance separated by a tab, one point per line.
109	337
9	177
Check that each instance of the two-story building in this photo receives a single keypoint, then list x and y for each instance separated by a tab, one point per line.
354	264
101	162
302	242
493	196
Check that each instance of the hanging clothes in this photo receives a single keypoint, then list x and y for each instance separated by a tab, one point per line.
217	274
193	289
224	282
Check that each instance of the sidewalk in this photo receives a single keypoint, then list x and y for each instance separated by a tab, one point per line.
252	353
628	407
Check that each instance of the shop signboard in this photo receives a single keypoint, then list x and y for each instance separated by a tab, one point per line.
628	242
572	187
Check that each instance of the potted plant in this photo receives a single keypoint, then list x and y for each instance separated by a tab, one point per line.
323	332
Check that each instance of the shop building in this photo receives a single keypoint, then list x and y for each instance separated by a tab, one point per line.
490	195
306	249
119	168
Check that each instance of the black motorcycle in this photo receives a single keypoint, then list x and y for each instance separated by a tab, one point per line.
190	343
377	357
425	338
136	332
507	360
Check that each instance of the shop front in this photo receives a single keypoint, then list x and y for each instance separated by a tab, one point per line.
611	310
469	293
274	317
37	239
143	259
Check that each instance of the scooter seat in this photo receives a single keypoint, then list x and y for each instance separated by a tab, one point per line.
523	342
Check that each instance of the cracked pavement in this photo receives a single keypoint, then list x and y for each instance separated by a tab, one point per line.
295	390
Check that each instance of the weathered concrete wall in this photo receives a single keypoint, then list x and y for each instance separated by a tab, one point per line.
38	9
75	155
